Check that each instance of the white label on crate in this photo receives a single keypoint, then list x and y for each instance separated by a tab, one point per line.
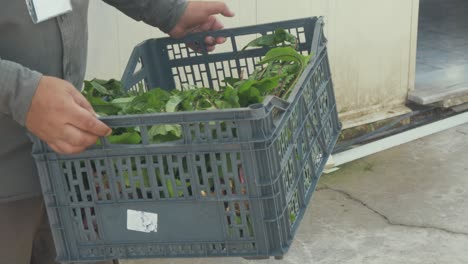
142	221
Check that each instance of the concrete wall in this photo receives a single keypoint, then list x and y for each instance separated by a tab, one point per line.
372	44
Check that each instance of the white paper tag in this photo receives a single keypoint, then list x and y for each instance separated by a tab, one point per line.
42	10
142	221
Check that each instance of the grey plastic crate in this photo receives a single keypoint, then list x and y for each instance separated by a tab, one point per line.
236	184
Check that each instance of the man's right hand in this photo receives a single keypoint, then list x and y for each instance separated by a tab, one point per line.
63	118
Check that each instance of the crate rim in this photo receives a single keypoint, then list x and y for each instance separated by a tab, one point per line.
228	31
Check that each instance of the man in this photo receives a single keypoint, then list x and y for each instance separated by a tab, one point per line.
41	67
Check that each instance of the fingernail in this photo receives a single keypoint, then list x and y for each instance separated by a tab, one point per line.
109	133
96	114
211	41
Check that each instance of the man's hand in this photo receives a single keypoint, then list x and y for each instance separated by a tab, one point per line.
200	16
62	117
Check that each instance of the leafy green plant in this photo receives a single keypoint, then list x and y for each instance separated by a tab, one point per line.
277	74
279	36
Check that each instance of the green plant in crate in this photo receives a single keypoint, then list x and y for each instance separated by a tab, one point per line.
279	36
276	74
171	190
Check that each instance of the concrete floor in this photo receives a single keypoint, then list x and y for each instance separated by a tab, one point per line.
405	205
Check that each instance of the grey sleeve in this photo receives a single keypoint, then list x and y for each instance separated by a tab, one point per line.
163	14
18	85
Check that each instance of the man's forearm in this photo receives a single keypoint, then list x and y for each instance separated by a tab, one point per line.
18	85
163	14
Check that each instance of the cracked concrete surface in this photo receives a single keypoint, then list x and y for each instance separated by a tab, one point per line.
387	219
406	205
421	183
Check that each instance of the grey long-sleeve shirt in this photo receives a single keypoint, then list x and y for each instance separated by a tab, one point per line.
57	47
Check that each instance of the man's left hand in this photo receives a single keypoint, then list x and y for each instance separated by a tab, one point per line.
201	16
